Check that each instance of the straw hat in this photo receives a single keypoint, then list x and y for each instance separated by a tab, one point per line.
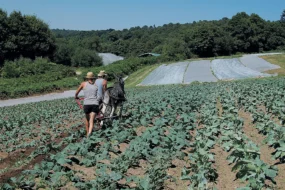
101	74
90	75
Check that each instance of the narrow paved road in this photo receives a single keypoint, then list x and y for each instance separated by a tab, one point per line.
52	96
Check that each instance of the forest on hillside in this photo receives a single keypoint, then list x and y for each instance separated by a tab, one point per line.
242	33
25	36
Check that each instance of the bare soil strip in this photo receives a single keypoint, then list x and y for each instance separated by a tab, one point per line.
15	157
23	154
280	178
226	178
219	107
252	133
265	150
175	171
12	173
140	130
175	183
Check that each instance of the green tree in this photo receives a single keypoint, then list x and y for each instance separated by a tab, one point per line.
16	35
240	28
114	36
63	54
28	37
39	39
175	48
92	43
257	38
275	36
3	35
282	19
85	58
208	40
241	33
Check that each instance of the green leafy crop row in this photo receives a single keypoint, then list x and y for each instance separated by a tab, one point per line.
174	118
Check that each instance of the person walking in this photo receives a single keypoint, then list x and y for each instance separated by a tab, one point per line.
101	83
91	101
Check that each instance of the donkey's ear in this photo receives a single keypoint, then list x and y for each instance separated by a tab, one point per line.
115	76
125	78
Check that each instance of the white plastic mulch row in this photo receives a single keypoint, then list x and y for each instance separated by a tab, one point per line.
166	74
233	69
199	71
182	72
256	63
109	58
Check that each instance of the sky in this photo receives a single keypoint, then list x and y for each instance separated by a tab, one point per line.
121	14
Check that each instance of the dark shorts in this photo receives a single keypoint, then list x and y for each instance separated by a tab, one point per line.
91	108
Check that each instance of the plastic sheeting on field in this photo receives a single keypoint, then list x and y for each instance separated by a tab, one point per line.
256	63
233	69
109	58
199	71
166	74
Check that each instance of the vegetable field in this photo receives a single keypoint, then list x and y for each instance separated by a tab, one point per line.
225	135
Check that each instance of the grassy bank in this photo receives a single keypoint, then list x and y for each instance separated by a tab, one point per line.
138	76
276	60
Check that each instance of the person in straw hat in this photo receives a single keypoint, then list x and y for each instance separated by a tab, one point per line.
101	82
91	102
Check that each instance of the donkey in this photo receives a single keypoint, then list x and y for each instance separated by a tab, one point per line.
114	97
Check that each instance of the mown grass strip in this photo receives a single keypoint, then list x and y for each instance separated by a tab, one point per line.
277	60
138	76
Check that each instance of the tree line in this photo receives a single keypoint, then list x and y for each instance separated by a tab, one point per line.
29	37
242	33
26	36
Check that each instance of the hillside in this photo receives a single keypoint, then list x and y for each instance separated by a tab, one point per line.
241	33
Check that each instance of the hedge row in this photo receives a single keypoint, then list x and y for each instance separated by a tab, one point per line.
25	67
40	87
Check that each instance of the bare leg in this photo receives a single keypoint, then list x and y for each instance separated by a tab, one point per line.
87	123
91	122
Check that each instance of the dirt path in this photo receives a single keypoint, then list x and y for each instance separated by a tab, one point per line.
15	156
266	151
226	178
252	133
280	178
175	183
21	155
219	107
15	172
